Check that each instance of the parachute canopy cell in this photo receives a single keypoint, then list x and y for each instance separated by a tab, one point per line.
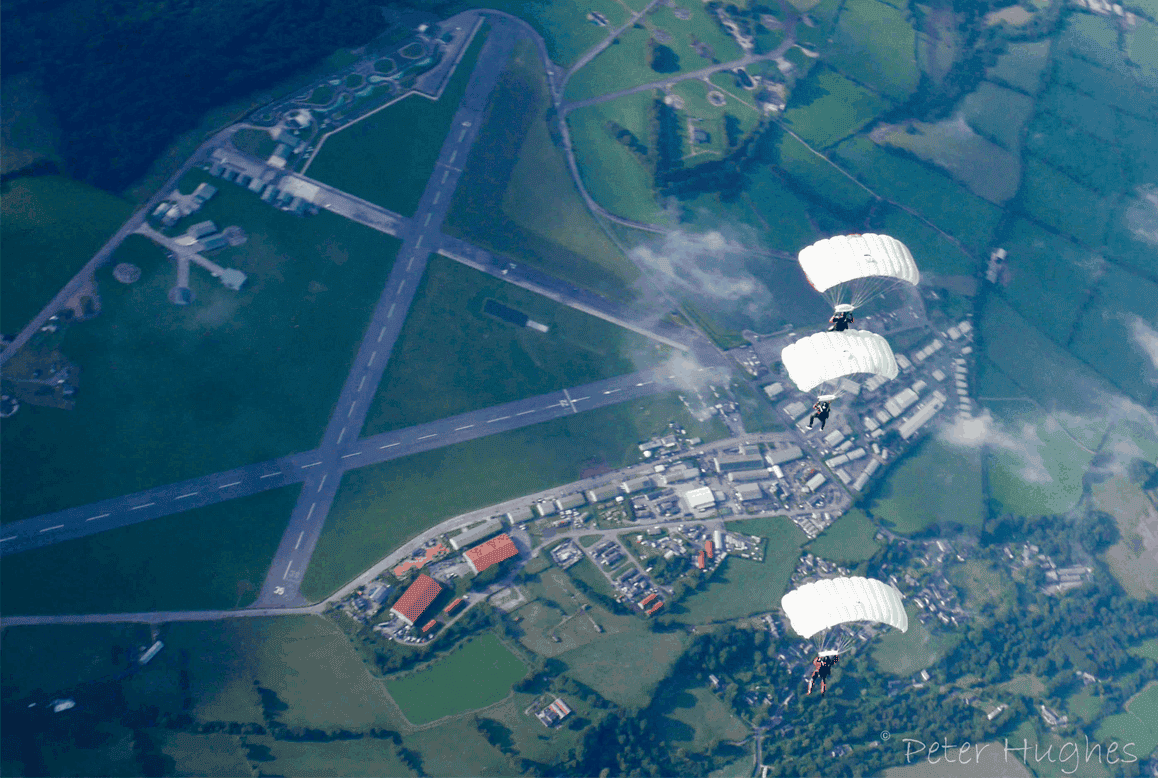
850	269
827	356
821	605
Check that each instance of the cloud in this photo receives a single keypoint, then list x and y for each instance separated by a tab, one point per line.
1145	338
1023	441
1142	216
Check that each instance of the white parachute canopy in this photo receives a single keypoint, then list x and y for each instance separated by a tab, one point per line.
850	269
827	356
822	605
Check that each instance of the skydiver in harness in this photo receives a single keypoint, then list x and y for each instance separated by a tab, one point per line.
820	410
840	321
822	668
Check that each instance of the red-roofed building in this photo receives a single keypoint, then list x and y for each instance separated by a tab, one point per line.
710	548
416	599
490	553
700	560
655	607
429	625
453	605
643	603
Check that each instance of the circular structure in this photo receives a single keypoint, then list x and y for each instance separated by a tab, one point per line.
299	118
126	273
8	406
181	295
717	98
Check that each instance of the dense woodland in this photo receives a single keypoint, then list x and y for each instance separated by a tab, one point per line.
125	77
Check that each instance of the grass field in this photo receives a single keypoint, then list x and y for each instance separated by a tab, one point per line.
1087	158
452	358
203	755
1147	649
306	661
516	195
1142	45
475	675
698	720
934	252
1131	559
988	170
781	214
1105	335
935	483
564	26
379	507
168	392
622	64
816	175
381	158
998	114
353	758
828	107
742	587
983	761
711	119
874	44
948	205
905	653
702	27
1022	66
1137	724
1080	110
1091	38
1130	237
625	667
615	177
50	226
1085	706
986	586
256	143
447	748
850	539
1117	87
1062	203
211	557
526	735
1051	277
49	658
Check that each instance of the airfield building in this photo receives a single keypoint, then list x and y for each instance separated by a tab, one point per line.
471	536
416	599
491	553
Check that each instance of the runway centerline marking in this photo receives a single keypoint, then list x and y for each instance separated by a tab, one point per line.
453	154
524	413
432	435
501	418
138	507
389	315
445	173
427	222
350	412
5	540
464	427
409	265
271	475
49	529
609	391
299	543
312	464
360	385
373	354
354	454
226	486
287	569
381	332
323	481
388	445
102	516
311	513
402	283
342	434
437	196
187	494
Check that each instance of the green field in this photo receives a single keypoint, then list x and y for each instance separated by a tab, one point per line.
712	119
49	658
452	357
1147	649
1085	157
934	252
50	226
381	158
998	114
935	483
828	107
779	212
614	176
906	653
446	748
852	538
1132	226
516	196
1137	724
983	760
269	756
1108	334
379	507
702	27
987	587
475	675
698	720
256	143
946	204
211	557
988	170
874	44
168	392
1142	45
1117	87
1058	201
1092	38
626	667
1022	66
1080	110
203	755
564	26
742	587
817	176
552	598
622	64
1051	277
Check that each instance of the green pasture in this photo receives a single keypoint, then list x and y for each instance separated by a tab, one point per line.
621	65
382	158
206	558
553	598
474	675
1021	66
935	482
1117	87
934	252
819	177
614	176
983	760
742	587
1050	277
626	667
710	118
210	754
306	663
1080	110
874	44
254	142
586	572
1024	684
1058	201
1085	706
564	26
1142	49
969	218
516	196
988	170
852	538
50	226
828	107
1147	649
447	748
1107	336
702	27
338	758
45	659
493	361
1132	224
1131	559
779	211
171	392
997	113
1141	138
1091	38
1088	159
697	719
905	653
379	507
987	587
1136	726
525	734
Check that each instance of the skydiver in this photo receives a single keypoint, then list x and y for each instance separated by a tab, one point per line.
821	409
840	321
822	668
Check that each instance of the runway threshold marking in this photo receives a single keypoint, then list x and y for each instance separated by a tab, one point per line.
102	516
50	529
138	507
